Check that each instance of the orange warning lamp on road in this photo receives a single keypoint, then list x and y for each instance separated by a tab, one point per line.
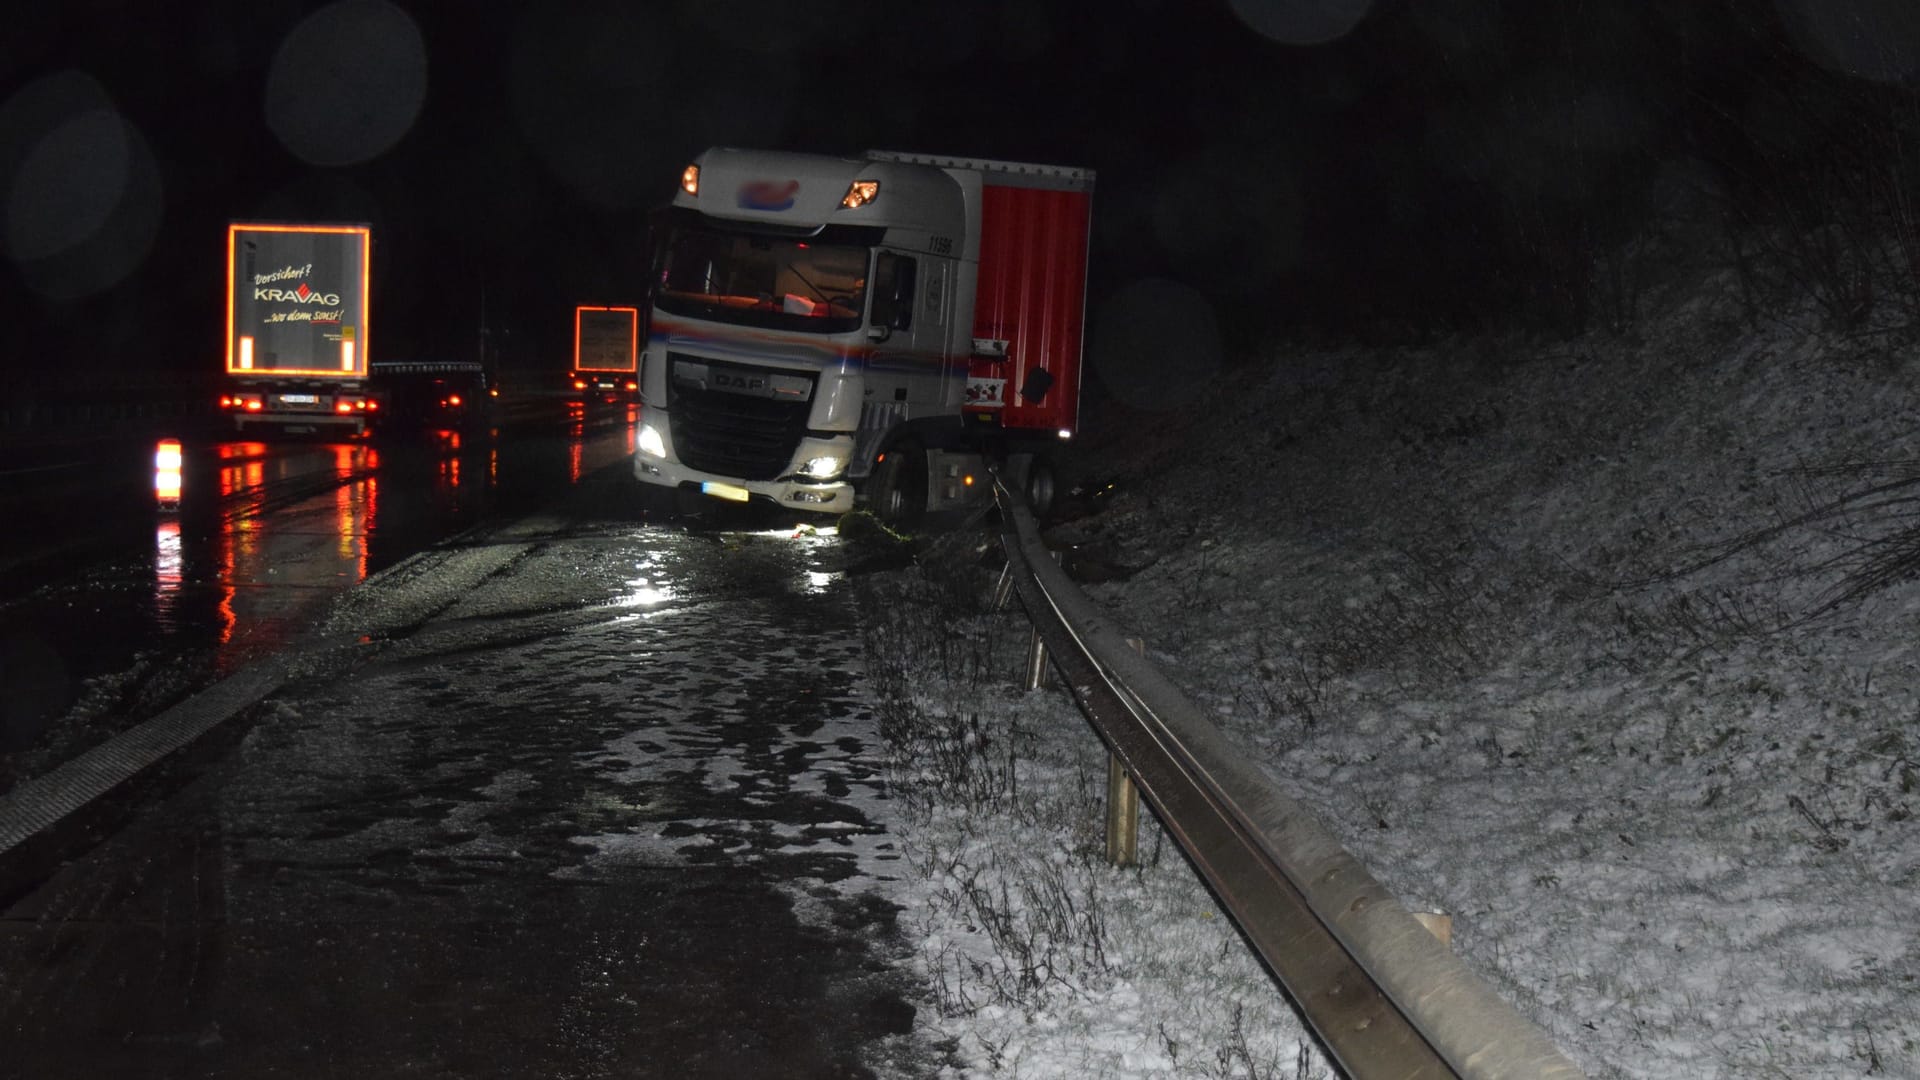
166	474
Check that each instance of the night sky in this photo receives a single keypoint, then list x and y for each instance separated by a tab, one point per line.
1327	166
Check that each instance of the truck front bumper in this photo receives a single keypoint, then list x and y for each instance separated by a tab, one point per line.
825	498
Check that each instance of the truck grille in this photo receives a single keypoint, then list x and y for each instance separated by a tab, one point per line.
724	423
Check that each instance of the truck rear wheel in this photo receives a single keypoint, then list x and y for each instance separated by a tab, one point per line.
1040	487
897	492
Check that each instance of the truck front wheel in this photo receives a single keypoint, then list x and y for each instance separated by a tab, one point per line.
897	491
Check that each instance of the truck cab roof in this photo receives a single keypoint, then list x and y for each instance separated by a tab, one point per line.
807	191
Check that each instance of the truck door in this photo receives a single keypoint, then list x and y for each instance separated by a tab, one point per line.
936	331
913	300
904	369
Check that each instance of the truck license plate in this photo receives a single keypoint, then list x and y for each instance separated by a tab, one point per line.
300	399
724	491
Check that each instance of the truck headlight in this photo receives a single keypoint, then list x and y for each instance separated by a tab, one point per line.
824	467
650	442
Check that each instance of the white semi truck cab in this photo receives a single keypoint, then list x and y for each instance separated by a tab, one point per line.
828	330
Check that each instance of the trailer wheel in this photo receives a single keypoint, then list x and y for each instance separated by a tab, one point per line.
897	493
1040	487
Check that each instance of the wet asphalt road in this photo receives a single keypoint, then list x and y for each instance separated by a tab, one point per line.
599	797
112	606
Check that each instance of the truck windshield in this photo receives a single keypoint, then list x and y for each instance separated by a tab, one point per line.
759	280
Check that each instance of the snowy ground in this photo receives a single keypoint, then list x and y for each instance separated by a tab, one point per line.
1605	647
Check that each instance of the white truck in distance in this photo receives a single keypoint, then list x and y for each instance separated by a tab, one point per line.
885	324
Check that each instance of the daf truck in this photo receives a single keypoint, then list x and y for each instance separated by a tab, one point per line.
875	330
297	327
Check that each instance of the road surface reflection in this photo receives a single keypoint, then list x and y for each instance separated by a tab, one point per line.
115	601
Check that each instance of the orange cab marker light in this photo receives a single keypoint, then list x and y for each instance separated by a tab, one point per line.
453	400
254	405
860	193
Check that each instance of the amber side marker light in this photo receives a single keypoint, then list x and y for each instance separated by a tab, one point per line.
167	460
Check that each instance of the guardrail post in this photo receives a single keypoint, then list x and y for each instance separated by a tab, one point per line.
1037	652
1123	803
1036	662
1003	589
1123	815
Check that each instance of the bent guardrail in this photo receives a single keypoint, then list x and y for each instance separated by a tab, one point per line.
1386	997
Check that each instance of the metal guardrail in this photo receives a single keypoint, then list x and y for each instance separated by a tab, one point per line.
1387	998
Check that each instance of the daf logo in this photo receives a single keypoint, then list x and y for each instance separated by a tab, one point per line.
747	382
723	380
